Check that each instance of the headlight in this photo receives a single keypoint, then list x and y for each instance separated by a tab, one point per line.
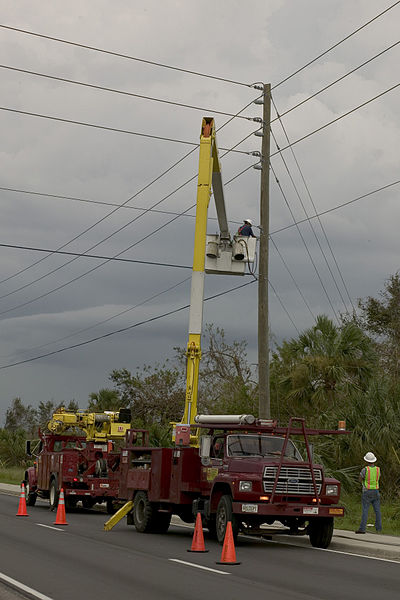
332	490
245	486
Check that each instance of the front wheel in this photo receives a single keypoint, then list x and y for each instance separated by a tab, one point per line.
320	531
225	514
30	496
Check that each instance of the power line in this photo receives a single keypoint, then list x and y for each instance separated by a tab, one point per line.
292	278
126	56
337	118
105	261
336	45
121	228
123	329
306	213
283	306
153	297
329	210
96	256
122	92
104	127
141	190
326	87
305	244
319	220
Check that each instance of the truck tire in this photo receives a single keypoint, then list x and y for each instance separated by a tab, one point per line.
111	506
211	525
225	514
162	522
88	502
143	513
320	531
53	493
70	502
30	496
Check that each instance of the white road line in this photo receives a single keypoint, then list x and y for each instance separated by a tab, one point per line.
24	588
50	527
183	562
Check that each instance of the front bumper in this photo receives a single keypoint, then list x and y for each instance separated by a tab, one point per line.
286	510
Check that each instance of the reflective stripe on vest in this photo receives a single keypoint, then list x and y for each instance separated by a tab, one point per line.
371	480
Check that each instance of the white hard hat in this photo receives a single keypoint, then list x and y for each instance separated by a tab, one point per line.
370	457
249	221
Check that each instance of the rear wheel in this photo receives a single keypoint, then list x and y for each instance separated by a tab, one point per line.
88	502
70	502
320	531
53	493
111	506
162	522
224	515
144	517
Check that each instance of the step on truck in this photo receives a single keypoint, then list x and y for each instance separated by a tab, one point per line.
248	471
80	453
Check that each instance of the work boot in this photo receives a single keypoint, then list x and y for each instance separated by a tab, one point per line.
359	531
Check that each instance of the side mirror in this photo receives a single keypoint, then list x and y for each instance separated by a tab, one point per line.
205	446
28	448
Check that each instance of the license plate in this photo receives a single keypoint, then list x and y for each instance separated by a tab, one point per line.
310	510
250	508
104	485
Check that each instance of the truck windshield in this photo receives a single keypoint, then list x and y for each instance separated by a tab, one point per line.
260	445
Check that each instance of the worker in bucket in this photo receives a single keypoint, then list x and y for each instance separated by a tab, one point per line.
246	229
369	477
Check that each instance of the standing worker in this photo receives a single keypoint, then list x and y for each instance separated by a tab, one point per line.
369	477
246	229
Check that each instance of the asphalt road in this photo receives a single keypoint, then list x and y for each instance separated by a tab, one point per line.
82	561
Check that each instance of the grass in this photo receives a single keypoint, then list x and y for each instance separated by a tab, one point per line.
351	521
11	474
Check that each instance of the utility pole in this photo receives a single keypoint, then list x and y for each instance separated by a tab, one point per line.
263	329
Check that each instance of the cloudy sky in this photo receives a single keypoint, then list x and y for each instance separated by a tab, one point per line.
65	181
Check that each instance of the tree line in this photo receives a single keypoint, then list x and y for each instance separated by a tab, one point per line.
329	372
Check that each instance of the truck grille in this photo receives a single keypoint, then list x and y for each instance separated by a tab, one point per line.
292	480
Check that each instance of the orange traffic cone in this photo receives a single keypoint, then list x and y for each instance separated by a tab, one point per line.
60	517
198	537
22	503
228	555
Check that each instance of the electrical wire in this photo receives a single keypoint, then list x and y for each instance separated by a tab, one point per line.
122	92
306	213
123	312
326	87
284	308
126	56
336	45
123	329
104	127
315	211
305	244
329	210
95	256
78	277
304	137
145	211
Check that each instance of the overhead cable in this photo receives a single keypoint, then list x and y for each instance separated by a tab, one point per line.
316	212
326	87
310	222
123	329
329	210
122	92
346	114
336	45
126	56
104	127
304	244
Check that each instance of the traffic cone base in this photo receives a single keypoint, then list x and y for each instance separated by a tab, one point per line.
198	537
22	512
228	555
60	517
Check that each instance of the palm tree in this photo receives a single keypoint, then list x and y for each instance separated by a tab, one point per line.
322	366
104	399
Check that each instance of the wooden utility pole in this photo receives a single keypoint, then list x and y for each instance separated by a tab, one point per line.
263	329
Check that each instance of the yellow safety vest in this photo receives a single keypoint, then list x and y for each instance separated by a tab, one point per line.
371	480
